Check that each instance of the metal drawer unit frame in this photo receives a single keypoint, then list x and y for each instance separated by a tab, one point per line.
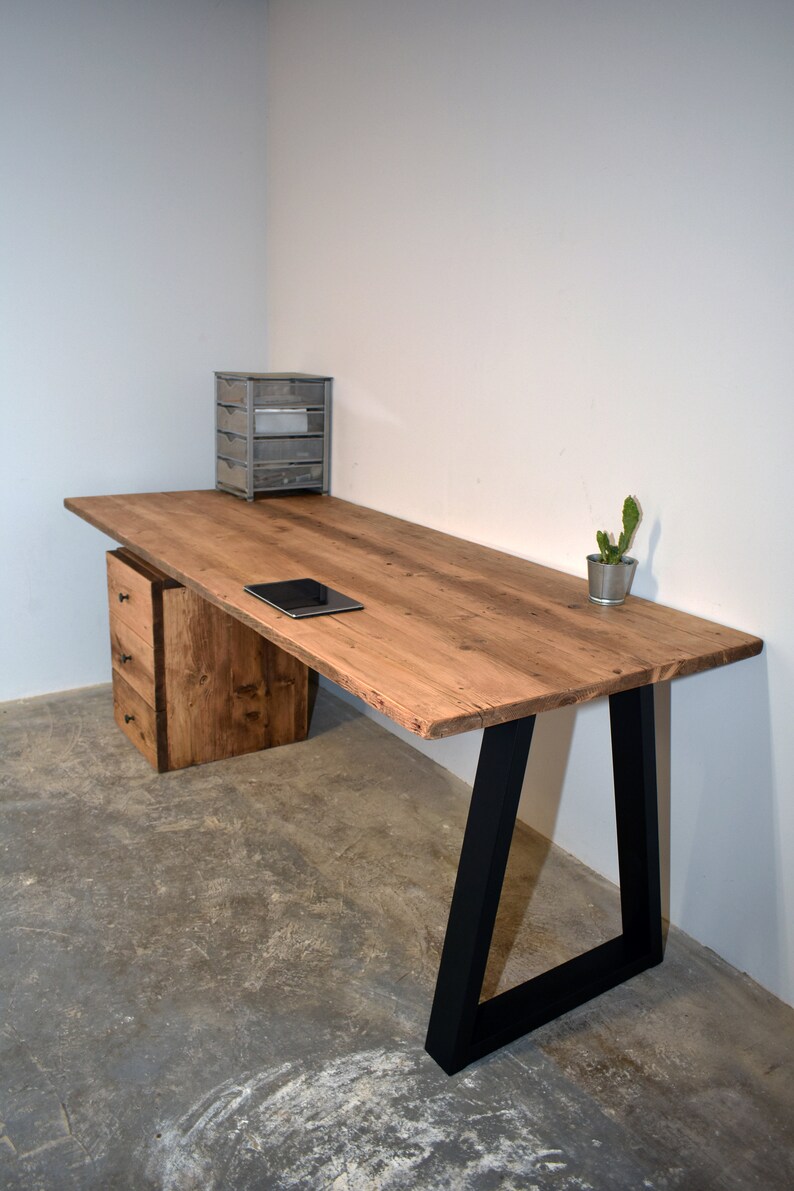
272	432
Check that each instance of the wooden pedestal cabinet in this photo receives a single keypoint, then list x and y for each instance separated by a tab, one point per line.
190	683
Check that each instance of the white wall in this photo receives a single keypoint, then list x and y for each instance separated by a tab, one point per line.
545	248
133	265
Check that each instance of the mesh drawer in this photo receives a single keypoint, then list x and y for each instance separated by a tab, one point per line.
283	449
234	420
232	474
287	392
269	476
232	446
234	389
288	475
288	421
297	450
231	389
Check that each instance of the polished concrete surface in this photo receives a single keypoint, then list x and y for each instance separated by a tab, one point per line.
220	978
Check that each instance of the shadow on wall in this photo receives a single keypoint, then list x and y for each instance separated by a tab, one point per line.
548	770
718	838
718	833
717	808
724	819
647	584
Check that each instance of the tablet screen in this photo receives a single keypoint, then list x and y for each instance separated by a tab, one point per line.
303	597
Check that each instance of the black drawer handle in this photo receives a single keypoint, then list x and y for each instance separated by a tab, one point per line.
128	718
126	657
123	597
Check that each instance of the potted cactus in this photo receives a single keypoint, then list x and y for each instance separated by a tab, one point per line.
611	571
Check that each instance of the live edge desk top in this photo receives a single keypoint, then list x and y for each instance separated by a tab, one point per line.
453	636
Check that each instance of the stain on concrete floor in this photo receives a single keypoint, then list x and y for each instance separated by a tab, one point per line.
221	978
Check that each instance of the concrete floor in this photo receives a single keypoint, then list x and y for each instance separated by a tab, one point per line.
220	978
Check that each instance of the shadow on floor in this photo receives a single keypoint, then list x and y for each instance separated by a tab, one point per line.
220	978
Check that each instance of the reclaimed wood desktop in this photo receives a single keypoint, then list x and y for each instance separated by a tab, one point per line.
454	637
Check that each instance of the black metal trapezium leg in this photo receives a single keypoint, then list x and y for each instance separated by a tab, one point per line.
462	1028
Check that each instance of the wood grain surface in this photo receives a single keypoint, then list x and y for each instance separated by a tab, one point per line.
221	697
453	636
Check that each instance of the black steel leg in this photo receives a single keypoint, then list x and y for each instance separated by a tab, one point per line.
634	767
462	1029
475	900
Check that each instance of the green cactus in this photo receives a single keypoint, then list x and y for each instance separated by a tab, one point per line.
631	518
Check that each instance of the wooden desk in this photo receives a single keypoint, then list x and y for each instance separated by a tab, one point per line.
453	636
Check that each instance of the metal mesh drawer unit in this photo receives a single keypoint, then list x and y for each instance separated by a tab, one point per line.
272	432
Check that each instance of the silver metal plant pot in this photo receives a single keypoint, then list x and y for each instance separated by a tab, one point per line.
610	583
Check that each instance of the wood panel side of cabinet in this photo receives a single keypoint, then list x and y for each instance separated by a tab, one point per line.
227	690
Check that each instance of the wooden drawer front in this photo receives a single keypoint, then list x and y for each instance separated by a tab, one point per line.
132	598
190	683
141	723
134	660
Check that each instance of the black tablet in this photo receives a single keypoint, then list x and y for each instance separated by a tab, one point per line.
303	597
